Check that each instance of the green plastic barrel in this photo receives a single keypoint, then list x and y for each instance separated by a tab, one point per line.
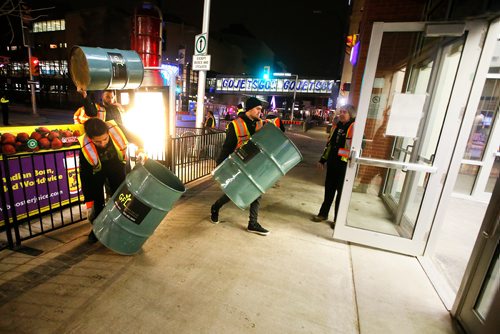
137	208
98	68
257	166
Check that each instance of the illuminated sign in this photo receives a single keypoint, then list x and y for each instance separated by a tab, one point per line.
279	85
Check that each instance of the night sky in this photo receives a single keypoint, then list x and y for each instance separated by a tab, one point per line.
307	36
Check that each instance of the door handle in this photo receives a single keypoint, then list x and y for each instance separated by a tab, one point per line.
353	157
404	166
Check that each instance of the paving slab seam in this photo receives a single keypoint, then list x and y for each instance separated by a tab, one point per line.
354	287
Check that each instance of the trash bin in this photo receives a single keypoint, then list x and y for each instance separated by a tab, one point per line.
98	68
257	166
137	208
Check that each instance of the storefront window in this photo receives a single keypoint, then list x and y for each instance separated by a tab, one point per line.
53	25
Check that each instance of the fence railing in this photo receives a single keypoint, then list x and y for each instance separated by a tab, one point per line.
194	155
41	191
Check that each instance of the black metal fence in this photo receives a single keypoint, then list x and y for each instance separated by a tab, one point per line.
194	154
41	191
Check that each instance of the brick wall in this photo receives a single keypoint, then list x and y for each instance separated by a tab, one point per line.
395	50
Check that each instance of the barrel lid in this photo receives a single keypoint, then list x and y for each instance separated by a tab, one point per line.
79	68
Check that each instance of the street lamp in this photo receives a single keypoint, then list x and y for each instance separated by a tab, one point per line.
288	75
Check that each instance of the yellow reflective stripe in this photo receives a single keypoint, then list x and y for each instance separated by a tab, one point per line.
90	153
274	121
119	140
241	130
344	152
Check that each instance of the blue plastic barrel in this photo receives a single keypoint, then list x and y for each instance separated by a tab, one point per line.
137	208
98	68
257	166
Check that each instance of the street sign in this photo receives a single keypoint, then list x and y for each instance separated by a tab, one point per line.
201	62
201	44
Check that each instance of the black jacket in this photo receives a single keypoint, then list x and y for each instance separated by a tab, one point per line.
231	139
112	111
336	141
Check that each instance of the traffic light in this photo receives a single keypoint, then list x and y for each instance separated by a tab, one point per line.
267	71
35	66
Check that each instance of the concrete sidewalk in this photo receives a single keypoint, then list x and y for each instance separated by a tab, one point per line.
196	277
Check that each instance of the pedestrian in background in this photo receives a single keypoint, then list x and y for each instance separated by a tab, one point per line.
238	133
5	108
335	155
209	124
273	118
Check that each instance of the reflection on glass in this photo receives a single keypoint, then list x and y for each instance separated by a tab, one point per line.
490	289
495	171
483	123
456	239
495	63
367	201
466	179
388	200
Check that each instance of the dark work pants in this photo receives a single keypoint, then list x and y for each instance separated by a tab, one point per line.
334	182
113	173
5	114
254	208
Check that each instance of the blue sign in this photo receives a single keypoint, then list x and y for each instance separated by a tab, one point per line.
279	85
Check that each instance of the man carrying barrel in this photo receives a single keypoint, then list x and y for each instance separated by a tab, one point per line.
238	133
102	160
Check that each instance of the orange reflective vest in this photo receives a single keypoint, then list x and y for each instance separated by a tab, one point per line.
344	151
90	151
275	121
80	117
241	130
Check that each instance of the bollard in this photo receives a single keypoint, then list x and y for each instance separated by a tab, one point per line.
137	208
99	69
257	166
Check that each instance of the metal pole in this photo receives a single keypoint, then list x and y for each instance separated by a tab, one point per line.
202	75
32	85
294	93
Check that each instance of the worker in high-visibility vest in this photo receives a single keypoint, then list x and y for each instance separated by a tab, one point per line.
103	157
336	155
273	118
240	108
209	121
107	110
238	133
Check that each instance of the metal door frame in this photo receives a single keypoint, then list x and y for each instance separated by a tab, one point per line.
458	101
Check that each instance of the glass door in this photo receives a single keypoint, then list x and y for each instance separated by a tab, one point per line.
479	298
414	85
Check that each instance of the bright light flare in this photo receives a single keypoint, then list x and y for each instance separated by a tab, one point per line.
147	119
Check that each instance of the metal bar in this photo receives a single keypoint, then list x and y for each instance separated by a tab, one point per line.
23	186
5	211
395	164
12	202
37	194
